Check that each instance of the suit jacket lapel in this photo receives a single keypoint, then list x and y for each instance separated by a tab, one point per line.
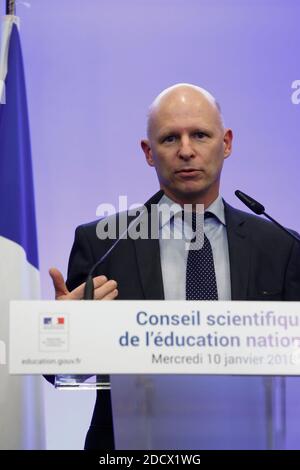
148	260
239	247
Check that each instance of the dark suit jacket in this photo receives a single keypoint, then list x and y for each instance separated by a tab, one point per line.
264	265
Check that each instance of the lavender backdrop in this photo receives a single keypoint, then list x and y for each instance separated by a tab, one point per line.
93	67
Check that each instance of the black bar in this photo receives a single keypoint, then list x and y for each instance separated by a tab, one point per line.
218	459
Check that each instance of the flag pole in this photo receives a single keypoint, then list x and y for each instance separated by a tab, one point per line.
10	7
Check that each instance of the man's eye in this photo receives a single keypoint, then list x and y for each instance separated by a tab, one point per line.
199	135
169	139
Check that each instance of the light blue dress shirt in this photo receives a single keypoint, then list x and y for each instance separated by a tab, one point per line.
174	248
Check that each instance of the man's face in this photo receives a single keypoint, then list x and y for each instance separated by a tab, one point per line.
187	146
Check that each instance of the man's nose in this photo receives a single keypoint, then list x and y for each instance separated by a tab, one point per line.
186	150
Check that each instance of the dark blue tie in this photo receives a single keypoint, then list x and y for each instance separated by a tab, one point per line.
200	270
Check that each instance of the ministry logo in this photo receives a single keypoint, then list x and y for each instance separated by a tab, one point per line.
53	322
54	332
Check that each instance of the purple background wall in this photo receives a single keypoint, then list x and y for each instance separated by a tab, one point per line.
92	69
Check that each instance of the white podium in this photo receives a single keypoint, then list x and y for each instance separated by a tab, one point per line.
184	374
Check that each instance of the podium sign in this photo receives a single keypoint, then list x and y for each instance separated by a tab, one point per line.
155	337
194	374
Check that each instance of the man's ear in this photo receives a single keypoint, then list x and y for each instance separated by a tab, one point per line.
145	144
228	137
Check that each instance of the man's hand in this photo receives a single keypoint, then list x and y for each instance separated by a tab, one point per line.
103	289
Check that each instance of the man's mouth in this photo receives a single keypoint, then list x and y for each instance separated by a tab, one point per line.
188	172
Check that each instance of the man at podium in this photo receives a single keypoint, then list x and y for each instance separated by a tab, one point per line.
242	257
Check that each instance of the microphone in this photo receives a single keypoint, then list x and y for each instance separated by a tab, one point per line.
259	209
89	285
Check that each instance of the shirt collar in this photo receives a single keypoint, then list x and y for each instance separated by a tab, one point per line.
169	209
217	208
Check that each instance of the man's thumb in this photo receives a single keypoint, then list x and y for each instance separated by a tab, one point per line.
58	282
